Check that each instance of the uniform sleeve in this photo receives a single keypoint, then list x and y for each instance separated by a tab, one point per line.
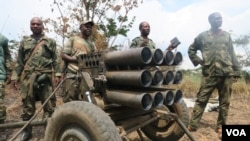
56	60
134	43
192	51
235	62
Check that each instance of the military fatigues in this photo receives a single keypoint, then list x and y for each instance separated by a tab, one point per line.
74	47
141	42
220	65
36	83
5	68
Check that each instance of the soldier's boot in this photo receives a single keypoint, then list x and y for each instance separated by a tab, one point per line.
2	133
26	133
191	129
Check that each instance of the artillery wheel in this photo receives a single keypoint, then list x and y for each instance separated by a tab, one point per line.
162	130
80	121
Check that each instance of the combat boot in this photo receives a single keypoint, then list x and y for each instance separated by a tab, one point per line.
191	129
2	133
26	133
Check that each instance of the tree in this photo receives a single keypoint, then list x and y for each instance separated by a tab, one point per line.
244	59
243	42
110	17
13	47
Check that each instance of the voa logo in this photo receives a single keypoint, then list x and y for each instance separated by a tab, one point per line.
236	132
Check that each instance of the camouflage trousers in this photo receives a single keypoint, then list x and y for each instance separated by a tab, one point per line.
2	106
73	89
34	90
208	84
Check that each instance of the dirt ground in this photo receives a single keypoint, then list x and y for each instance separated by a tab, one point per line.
239	114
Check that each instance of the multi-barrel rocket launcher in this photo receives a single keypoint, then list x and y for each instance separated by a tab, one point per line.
129	90
123	92
137	78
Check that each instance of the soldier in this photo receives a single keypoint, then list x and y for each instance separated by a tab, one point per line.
36	67
79	44
220	68
5	69
143	40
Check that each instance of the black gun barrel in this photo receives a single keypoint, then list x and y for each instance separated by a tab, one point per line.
177	95
132	57
141	78
168	77
177	58
168	97
157	57
157	98
177	77
168	58
131	99
157	77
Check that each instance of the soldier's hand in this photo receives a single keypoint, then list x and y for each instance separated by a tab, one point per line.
170	47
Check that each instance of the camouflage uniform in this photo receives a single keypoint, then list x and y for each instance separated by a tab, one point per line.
5	68
141	42
74	47
36	84
219	67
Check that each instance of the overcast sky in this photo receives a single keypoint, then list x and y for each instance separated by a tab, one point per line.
183	19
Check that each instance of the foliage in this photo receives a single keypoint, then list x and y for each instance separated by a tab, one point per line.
243	42
110	17
13	46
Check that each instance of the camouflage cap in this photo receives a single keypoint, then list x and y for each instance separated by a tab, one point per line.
87	22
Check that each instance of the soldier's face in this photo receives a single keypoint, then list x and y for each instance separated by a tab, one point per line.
217	20
86	30
36	26
145	29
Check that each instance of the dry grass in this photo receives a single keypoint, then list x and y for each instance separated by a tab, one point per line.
191	83
241	88
241	94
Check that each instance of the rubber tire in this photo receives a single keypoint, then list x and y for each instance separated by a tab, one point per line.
81	121
171	131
